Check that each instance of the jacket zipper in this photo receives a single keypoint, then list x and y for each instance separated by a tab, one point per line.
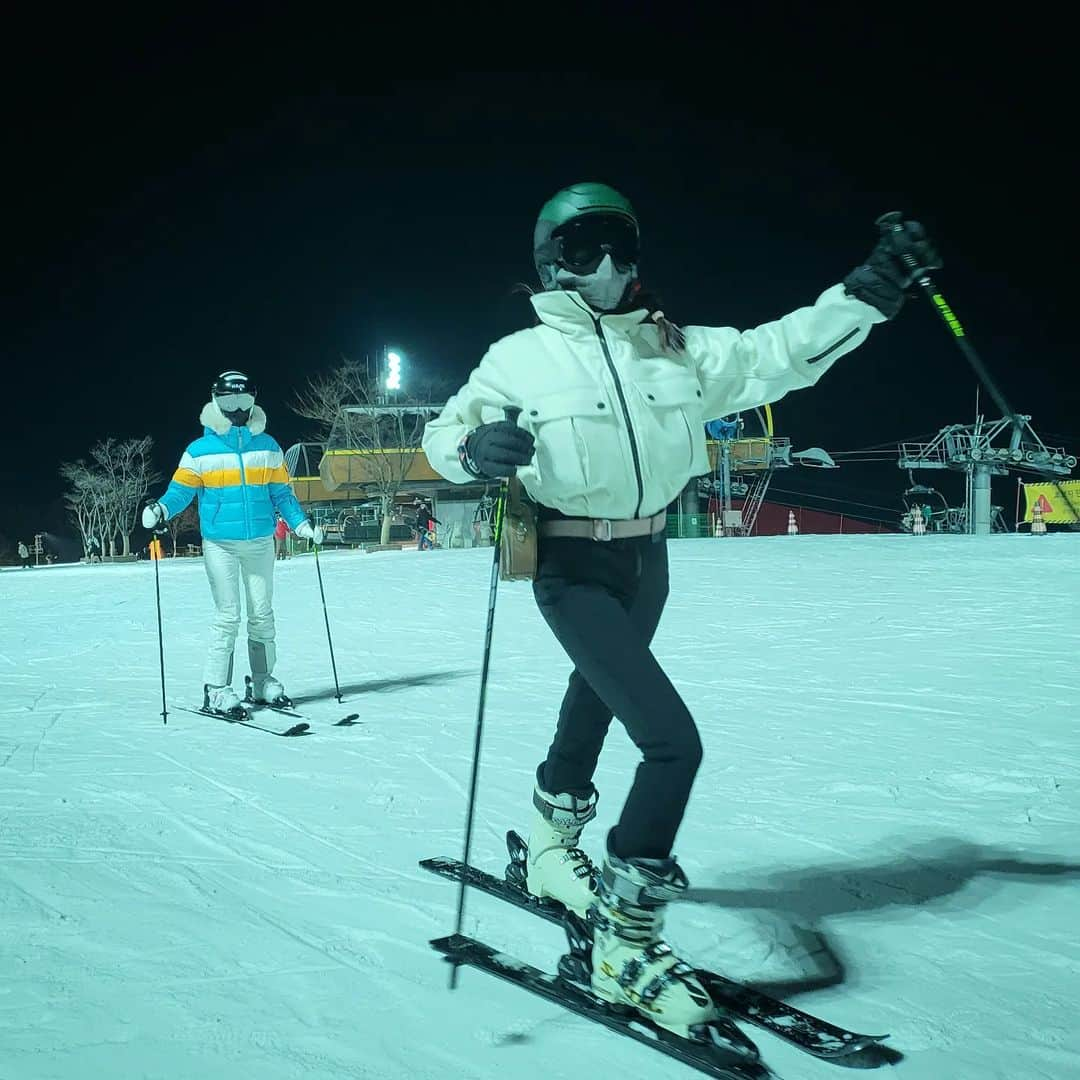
626	416
243	479
833	347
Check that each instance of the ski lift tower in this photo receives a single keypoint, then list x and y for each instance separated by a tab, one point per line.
979	450
744	466
983	450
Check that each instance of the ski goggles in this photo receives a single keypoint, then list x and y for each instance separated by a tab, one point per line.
585	241
229	403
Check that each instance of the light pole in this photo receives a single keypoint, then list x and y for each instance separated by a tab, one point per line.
393	371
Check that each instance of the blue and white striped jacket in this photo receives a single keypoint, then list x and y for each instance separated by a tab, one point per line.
239	476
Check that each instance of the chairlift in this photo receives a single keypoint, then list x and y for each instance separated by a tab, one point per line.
814	458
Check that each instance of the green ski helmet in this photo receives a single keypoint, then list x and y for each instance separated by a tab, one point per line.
578	225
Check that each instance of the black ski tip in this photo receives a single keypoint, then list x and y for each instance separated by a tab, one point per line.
454	946
856	1047
348	721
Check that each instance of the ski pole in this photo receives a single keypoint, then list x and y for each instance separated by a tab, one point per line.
512	413
326	619
160	633
891	223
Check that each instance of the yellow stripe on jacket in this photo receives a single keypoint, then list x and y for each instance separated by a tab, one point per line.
187	477
223	470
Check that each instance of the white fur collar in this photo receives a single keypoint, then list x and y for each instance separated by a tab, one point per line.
213	418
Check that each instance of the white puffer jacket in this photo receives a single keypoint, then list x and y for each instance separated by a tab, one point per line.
619	424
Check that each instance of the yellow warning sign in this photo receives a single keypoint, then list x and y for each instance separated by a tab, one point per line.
1058	502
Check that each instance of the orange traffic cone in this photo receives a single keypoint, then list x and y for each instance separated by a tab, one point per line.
1038	526
918	523
792	528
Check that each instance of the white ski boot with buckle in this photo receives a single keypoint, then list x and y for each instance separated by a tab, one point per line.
556	866
631	963
223	700
266	690
262	687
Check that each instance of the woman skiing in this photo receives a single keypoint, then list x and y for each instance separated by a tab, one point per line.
614	400
238	473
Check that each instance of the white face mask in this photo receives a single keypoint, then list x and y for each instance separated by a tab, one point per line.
237	417
603	289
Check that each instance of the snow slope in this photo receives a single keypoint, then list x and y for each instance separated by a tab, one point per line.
886	816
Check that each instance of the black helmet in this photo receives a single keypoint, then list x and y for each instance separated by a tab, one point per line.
235	395
233	382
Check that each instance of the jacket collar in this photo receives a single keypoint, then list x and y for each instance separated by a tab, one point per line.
214	420
564	310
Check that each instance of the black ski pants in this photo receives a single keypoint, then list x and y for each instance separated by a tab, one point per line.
602	600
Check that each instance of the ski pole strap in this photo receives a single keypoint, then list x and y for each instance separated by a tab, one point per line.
511	413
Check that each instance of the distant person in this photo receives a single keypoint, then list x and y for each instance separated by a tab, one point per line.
24	555
613	399
238	473
281	538
93	550
425	524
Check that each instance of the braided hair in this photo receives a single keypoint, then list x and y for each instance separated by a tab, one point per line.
672	337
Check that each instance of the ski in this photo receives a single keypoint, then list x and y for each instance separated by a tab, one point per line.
351	720
246	721
283	704
709	1057
803	1030
283	710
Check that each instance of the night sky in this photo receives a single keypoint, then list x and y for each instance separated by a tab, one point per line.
187	195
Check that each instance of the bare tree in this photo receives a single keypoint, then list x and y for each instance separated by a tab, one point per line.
351	412
128	467
88	499
105	495
185	522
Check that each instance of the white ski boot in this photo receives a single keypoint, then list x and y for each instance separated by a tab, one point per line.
631	963
262	687
557	867
266	690
225	700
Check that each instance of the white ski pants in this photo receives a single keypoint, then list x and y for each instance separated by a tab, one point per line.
230	563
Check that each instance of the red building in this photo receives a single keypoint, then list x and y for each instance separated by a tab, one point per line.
772	520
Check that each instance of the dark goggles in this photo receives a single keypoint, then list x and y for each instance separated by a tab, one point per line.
585	241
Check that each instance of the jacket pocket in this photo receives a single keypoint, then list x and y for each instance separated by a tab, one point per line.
675	424
210	506
573	429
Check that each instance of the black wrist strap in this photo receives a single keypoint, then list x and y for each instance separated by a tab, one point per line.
465	458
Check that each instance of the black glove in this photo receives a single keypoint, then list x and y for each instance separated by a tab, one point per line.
899	260
496	450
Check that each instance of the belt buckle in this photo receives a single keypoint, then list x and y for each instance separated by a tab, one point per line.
601	529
